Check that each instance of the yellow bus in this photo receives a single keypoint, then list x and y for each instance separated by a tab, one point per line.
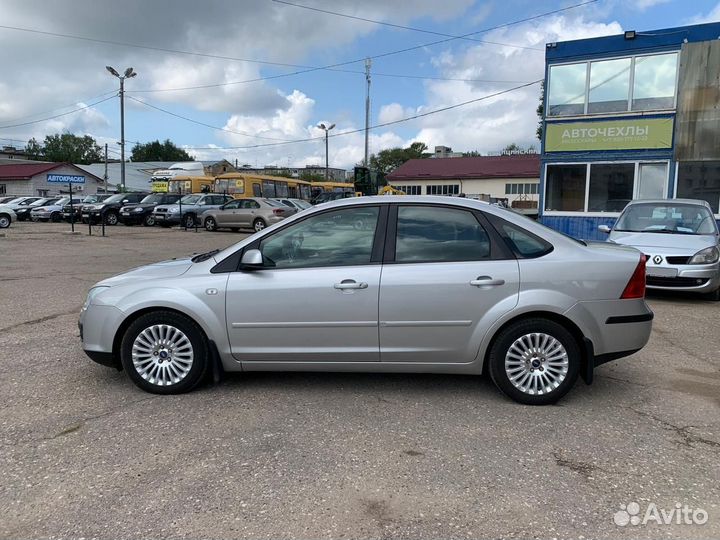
190	184
241	185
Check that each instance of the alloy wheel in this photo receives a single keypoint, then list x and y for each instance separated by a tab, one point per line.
4	222
536	363
259	225
162	355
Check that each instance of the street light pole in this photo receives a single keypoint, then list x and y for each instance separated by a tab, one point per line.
129	74
326	129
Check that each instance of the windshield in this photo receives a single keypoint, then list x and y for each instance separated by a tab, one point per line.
190	199
41	202
667	218
275	203
63	201
118	197
90	199
155	198
302	204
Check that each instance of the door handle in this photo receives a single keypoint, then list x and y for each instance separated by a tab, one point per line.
350	284
487	281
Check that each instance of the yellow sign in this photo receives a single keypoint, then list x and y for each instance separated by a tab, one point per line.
159	187
630	134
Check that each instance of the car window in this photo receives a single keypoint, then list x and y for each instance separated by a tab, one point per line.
437	234
249	203
232	205
340	238
523	243
257	190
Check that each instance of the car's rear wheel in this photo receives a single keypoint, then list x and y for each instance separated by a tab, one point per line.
164	352
210	224
4	221
149	221
258	225
534	361
111	218
189	221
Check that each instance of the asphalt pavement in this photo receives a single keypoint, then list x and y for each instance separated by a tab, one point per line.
84	453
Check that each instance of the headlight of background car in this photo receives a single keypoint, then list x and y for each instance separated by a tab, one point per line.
706	256
137	210
92	293
173	210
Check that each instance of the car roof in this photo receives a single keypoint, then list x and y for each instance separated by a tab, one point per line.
671	201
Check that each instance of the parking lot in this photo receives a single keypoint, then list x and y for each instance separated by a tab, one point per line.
87	454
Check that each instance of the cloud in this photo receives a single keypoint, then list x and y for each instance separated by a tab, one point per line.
712	16
394	112
642	5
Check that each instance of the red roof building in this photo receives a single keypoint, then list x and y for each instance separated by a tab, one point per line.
513	179
36	179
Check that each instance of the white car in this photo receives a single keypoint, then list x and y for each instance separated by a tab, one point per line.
7	216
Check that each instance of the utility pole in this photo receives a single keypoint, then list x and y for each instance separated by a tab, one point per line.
368	64
326	129
129	73
105	176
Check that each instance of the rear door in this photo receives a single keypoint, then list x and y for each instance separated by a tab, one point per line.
445	269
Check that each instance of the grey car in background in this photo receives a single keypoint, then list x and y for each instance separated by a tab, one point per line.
251	213
680	240
431	284
7	216
297	204
188	210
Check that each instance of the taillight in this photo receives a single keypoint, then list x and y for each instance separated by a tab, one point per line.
278	211
636	286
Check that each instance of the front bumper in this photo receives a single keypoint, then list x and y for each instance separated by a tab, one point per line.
133	218
697	278
164	217
98	326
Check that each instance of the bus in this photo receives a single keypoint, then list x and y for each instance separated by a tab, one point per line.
161	178
317	188
241	185
190	184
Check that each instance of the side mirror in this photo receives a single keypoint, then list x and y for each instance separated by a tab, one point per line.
125	201
252	259
604	228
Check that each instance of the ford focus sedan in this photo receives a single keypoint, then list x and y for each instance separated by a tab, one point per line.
680	240
427	284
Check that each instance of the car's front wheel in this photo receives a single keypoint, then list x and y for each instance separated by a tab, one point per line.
534	361
149	220
210	224
165	352
111	218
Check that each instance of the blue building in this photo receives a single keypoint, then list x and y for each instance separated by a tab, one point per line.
631	116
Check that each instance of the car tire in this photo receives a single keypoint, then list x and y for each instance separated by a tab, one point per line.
5	221
259	225
164	352
534	361
34	219
189	221
56	217
111	218
149	221
714	296
210	224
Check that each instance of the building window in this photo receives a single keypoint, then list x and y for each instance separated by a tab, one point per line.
606	85
444	189
508	187
410	190
607	187
611	186
565	187
700	180
3	189
609	86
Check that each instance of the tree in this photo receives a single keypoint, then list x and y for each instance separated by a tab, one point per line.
159	151
390	159
312	177
540	111
70	148
472	153
33	149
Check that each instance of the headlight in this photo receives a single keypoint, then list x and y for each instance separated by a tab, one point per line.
92	293
706	256
137	210
173	210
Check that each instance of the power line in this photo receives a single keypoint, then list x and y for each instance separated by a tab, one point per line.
60	108
203	123
384	124
57	115
303	68
402	27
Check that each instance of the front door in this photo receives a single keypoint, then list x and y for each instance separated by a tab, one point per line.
316	298
227	214
444	276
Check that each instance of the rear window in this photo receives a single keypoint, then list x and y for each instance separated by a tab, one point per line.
523	243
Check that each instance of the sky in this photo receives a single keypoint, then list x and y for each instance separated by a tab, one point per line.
239	79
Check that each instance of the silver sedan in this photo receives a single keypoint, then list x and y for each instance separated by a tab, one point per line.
386	284
251	213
